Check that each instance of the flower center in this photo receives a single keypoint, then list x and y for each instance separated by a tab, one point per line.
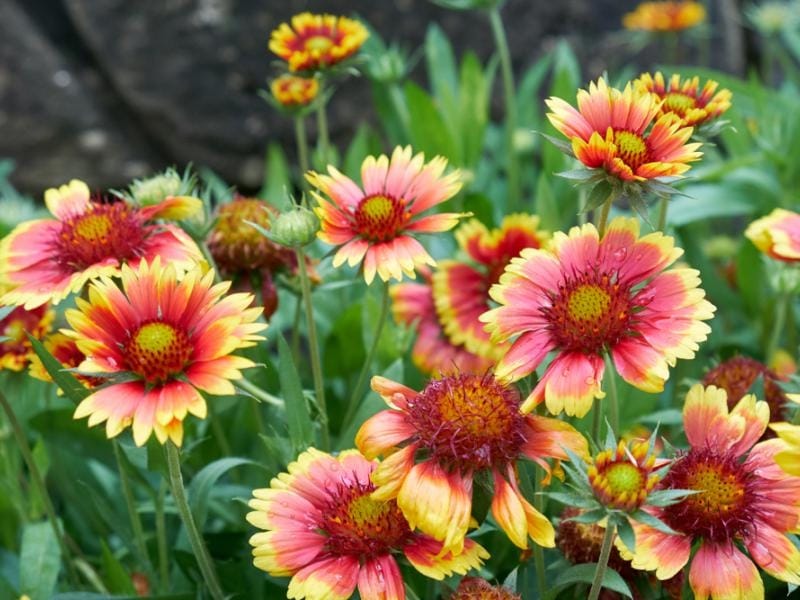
318	44
724	505
469	421
589	312
105	231
631	148
678	103
360	526
624	478
157	351
379	218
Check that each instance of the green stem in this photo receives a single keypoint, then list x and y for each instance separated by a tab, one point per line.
358	391
538	551
596	418
778	322
663	208
613	399
195	539
259	394
323	138
298	313
161	537
602	562
602	221
130	503
302	148
38	483
512	167
313	343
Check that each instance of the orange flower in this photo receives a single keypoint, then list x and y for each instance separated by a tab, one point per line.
437	441
620	132
323	528
777	235
665	16
375	224
16	350
165	340
683	98
294	91
317	41
48	259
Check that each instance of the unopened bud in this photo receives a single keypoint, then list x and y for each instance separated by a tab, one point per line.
296	228
153	190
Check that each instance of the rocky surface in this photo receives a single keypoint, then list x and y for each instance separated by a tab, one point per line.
107	90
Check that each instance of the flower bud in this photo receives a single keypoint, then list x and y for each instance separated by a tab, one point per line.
157	188
296	228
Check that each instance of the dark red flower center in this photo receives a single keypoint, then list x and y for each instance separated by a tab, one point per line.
727	500
359	526
468	421
631	148
589	312
156	351
106	230
380	218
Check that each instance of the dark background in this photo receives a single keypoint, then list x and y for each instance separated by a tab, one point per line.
109	90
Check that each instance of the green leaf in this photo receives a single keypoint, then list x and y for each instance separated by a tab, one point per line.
115	575
626	534
704	201
40	560
668	416
72	388
576	500
199	491
597	196
584	573
298	419
277	179
592	516
441	63
667	497
428	130
93	596
654	522
473	113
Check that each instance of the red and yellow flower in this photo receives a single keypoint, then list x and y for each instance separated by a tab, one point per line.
294	91
436	441
777	235
48	259
433	352
621	133
683	98
664	16
324	528
622	477
315	41
743	500
16	350
583	297
168	338
374	224
65	350
450	337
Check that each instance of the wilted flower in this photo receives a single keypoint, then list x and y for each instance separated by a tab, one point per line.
439	440
48	259
165	339
376	224
664	16
317	41
324	529
583	297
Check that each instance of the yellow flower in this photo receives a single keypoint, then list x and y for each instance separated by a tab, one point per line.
665	16
317	41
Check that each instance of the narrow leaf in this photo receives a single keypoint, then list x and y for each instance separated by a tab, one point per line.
72	388
199	491
40	559
298	418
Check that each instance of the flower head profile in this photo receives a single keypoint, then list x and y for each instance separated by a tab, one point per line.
664	15
620	133
16	350
438	440
743	500
292	91
65	351
48	259
164	339
777	235
583	297
684	99
323	528
315	41
375	223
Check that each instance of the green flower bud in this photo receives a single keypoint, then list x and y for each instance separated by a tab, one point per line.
146	192
296	228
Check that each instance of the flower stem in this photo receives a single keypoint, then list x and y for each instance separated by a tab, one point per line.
538	551
130	502
252	389
195	539
302	148
602	221
313	343
323	138
298	313
358	391
602	562
512	166
778	322
38	483
663	208
161	537
613	398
